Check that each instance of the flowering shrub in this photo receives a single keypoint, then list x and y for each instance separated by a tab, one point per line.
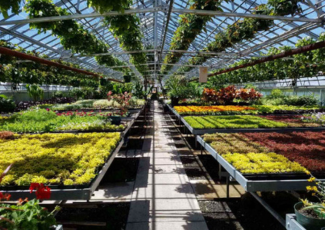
306	148
220	122
55	159
257	163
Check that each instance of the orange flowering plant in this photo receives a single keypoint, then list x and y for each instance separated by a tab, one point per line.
216	109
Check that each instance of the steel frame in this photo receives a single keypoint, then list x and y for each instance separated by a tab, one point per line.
158	23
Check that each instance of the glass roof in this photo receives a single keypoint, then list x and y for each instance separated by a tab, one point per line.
153	27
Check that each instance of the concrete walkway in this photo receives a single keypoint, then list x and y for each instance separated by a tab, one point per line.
163	197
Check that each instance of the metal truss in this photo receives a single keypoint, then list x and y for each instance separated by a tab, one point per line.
159	21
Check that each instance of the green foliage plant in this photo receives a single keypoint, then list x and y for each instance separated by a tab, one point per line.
6	104
35	92
7	5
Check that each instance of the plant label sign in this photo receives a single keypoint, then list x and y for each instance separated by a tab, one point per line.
203	74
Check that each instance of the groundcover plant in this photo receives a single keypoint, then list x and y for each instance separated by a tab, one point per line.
260	163
54	159
250	157
306	148
220	122
41	120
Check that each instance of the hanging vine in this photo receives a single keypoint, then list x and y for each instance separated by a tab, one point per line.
190	25
6	5
72	35
244	29
17	72
127	29
110	5
307	64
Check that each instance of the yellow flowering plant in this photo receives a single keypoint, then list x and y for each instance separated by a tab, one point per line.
318	191
261	163
55	159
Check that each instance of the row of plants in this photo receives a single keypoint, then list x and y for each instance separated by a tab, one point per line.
254	109
278	97
54	159
72	34
96	104
213	109
36	73
308	64
41	120
244	29
190	25
247	121
69	97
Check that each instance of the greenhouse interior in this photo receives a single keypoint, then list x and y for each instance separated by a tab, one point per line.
162	114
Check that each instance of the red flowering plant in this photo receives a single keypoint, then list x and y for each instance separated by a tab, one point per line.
27	214
121	99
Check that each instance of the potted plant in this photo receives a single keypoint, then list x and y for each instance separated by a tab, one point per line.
28	214
178	89
123	102
311	215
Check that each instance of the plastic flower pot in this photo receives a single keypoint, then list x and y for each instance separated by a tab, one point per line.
308	222
115	120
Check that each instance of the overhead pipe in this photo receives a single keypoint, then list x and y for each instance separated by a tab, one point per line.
288	53
24	56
